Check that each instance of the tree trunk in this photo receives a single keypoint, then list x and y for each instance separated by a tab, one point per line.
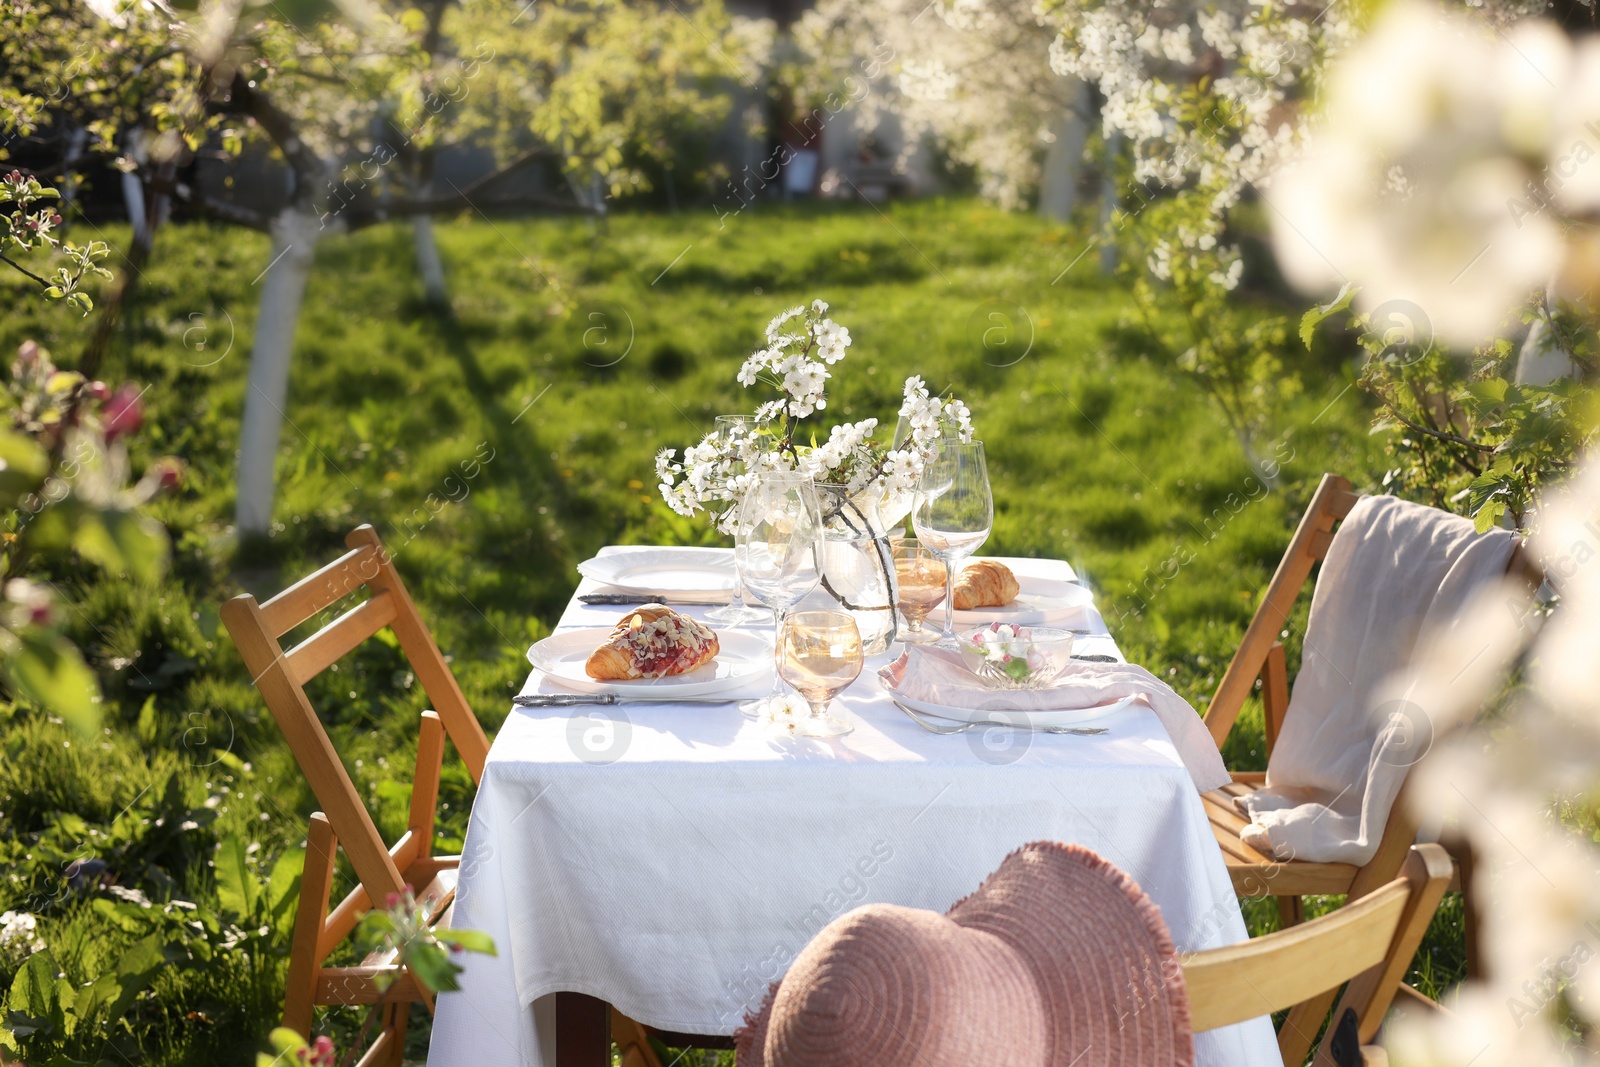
294	239
133	197
1108	202
1541	359
1063	161
429	265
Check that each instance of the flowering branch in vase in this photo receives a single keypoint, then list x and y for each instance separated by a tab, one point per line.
801	344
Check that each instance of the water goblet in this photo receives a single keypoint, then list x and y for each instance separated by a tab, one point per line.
919	586
952	513
819	654
777	550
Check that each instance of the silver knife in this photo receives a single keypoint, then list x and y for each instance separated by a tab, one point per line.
574	700
645	598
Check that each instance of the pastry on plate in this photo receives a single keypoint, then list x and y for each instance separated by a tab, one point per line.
985	583
652	642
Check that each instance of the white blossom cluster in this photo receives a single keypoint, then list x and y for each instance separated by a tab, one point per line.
1448	166
19	935
1504	785
973	76
1144	57
801	344
720	469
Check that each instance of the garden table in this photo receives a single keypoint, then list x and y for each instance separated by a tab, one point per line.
672	859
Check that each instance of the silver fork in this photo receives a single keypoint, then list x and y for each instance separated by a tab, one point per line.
1079	731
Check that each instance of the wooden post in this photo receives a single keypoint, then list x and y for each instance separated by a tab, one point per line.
583	1031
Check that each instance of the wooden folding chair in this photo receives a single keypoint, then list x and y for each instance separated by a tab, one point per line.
1369	942
1260	656
381	869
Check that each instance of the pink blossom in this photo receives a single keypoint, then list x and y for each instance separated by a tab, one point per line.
123	413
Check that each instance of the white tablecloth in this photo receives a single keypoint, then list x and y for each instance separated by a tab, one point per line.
673	859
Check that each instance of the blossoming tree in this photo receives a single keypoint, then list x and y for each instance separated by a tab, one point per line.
972	75
1454	167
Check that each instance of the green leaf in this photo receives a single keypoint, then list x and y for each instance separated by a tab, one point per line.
135	971
432	966
48	669
237	888
1488	516
36	997
1322	312
1490	390
288	1047
23	465
471	940
123	541
283	889
147	727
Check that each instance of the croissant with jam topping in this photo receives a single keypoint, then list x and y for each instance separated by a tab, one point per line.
652	642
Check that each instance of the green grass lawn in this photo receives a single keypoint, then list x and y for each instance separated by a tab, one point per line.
1100	452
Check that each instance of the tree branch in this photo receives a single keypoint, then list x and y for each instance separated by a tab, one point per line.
1439	434
280	127
25	270
231	213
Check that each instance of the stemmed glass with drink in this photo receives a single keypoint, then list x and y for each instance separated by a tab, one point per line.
952	513
736	434
919	586
819	653
776	549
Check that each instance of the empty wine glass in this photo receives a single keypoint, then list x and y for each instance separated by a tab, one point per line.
819	654
776	549
735	434
953	513
919	586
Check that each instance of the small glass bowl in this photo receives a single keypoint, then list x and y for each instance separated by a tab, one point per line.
1048	650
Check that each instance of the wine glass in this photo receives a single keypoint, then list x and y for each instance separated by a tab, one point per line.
776	549
919	586
733	433
819	654
952	513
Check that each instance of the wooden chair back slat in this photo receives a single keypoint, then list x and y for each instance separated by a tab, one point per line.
313	751
1332	500
316	591
1370	942
337	639
1275	971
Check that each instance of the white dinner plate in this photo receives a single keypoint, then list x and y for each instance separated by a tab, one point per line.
741	656
1063	717
1046	598
707	572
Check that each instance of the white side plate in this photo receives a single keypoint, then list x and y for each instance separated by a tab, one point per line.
1064	717
742	656
1047	598
665	571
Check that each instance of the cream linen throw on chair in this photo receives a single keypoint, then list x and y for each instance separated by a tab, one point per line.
1395	572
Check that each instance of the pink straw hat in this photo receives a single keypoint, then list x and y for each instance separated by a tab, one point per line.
1058	959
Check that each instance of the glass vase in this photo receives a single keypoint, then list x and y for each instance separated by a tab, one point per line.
857	561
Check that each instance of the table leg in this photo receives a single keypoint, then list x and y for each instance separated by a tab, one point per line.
583	1031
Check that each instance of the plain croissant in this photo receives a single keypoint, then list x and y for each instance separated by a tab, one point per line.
985	583
652	642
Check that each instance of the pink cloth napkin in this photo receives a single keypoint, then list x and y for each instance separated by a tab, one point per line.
940	676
